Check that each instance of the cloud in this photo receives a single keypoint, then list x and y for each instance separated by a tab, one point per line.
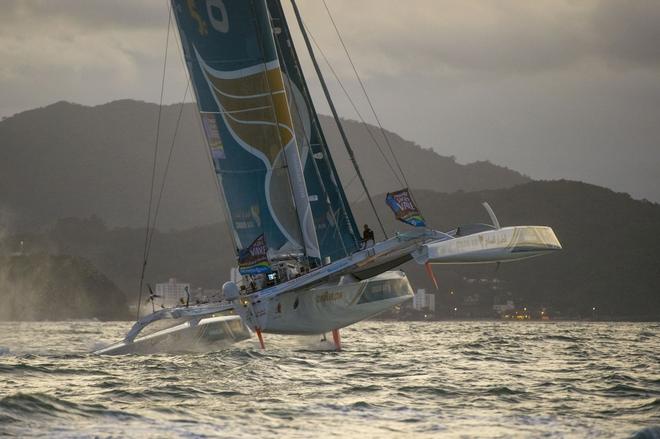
92	15
83	51
549	87
629	31
446	38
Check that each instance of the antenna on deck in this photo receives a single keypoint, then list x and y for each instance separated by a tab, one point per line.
491	214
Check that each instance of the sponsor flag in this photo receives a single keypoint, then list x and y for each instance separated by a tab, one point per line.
254	258
404	208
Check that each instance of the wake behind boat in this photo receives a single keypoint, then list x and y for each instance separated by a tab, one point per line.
303	265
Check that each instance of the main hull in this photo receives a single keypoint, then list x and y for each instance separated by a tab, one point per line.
334	305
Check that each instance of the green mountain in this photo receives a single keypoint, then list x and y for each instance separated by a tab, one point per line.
69	160
75	182
611	256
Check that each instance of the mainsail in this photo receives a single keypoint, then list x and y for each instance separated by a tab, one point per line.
232	60
337	232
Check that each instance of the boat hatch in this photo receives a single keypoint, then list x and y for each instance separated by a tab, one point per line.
384	289
536	236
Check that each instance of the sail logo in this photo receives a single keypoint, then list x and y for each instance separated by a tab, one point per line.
217	12
247	218
215	8
202	27
213	136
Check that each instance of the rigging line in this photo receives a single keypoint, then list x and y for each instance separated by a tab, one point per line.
350	100
359	200
350	182
326	92
366	95
167	168
155	161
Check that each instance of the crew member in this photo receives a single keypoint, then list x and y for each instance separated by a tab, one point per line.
367	235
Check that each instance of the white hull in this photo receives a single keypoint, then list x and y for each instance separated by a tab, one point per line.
500	245
334	305
207	334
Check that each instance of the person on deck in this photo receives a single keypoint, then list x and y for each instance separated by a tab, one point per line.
368	235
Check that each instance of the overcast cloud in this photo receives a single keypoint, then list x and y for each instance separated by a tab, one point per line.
550	88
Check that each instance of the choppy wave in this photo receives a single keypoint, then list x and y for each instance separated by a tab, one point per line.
472	379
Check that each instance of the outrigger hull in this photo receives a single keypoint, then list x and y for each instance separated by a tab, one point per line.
501	245
206	334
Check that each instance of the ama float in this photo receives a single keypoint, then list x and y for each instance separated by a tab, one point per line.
303	267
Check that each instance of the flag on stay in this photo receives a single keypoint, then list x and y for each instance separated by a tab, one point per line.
404	208
254	258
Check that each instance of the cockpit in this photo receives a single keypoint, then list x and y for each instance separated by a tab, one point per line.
385	286
281	270
536	236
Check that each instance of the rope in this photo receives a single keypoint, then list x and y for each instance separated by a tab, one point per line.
350	100
155	164
167	167
342	133
366	95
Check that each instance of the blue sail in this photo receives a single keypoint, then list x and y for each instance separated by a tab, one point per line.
232	59
337	232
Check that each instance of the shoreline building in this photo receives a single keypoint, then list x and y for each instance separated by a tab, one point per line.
172	292
423	300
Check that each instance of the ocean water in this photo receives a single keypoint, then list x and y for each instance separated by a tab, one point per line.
393	379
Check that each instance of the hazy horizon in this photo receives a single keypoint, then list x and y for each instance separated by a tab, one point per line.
552	89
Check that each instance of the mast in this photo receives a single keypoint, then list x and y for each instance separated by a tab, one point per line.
291	156
337	232
340	127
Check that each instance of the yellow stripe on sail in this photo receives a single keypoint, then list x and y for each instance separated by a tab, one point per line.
257	110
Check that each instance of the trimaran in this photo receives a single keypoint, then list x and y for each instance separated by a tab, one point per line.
303	267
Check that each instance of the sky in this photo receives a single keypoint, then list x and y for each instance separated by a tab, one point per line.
550	88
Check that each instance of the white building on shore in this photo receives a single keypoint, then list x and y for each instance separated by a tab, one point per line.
423	300
172	292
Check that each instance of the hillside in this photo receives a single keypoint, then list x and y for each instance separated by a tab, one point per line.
75	183
611	256
44	287
69	160
610	260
